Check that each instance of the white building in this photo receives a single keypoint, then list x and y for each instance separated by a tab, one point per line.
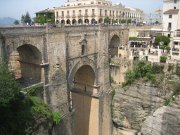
171	17
95	11
171	26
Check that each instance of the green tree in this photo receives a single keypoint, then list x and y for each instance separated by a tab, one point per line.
16	22
162	40
21	114
123	21
9	89
107	20
23	19
26	18
130	77
163	59
129	21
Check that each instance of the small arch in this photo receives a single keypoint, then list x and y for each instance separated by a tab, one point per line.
86	21
68	22
93	21
113	46
62	22
80	21
74	21
57	21
100	20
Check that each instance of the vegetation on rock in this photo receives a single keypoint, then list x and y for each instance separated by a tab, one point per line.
21	113
143	70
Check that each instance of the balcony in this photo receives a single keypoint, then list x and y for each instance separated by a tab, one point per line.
67	16
73	16
86	15
169	28
93	15
80	15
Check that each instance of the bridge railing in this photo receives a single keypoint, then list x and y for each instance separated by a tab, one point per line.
86	88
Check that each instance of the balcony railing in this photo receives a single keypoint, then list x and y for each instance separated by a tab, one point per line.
169	28
80	15
86	15
67	16
93	15
73	16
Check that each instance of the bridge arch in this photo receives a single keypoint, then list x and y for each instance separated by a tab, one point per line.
25	62
85	105
114	45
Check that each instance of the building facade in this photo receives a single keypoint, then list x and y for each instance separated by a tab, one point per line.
171	21
171	27
95	11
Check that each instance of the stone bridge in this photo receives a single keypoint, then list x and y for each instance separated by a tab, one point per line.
73	64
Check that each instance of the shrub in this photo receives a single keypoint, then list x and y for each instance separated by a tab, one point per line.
163	39
170	68
157	69
56	117
178	71
9	88
163	59
130	77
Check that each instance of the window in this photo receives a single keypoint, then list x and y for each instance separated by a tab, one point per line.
105	12
175	43
57	14
100	12
174	7
169	26
82	49
92	2
170	16
93	11
62	13
175	1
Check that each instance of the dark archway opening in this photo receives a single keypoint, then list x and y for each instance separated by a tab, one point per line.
86	107
74	21
30	59
68	22
80	21
113	46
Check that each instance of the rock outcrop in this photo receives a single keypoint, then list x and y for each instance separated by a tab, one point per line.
164	121
141	107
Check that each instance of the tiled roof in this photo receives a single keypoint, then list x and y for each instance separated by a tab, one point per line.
172	11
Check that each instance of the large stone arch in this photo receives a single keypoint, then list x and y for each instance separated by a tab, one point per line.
114	44
25	62
86	106
84	61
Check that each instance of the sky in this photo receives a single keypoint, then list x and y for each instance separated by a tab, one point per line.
15	8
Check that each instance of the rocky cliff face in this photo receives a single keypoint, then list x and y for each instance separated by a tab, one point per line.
140	109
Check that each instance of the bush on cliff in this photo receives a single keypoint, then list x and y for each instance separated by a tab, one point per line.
20	113
143	70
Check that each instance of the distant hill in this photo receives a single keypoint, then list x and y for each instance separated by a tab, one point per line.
7	21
